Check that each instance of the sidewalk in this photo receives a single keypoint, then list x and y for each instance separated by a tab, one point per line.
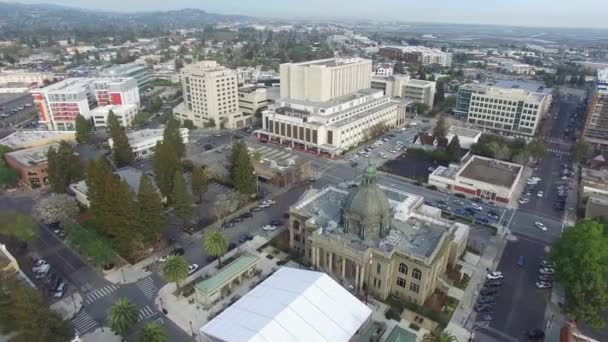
460	325
554	319
69	306
131	273
103	334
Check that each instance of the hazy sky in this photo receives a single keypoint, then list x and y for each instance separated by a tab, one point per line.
557	13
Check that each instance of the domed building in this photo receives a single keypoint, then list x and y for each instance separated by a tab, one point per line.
376	239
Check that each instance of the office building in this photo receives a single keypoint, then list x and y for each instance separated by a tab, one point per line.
124	114
26	77
511	111
143	142
31	165
59	104
28	139
210	96
326	79
376	239
404	87
417	54
139	72
252	100
596	125
334	107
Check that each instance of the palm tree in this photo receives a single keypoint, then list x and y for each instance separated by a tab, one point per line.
122	315
175	269
215	244
153	332
443	337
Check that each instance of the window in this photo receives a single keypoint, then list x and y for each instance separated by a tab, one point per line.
414	287
400	282
378	268
416	274
403	268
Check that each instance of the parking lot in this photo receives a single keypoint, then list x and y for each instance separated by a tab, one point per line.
16	108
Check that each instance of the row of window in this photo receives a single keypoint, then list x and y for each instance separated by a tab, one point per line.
413	286
416	273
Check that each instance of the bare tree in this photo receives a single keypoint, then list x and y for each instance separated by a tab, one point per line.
60	208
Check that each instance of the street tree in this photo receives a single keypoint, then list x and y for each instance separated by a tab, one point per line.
439	93
60	208
398	68
440	130
165	163
421	108
215	244
243	176
453	149
153	332
580	151
8	177
122	316
90	243
175	269
150	220
122	152
83	129
445	336
536	149
581	258
171	135
18	226
199	182
64	167
181	198
139	120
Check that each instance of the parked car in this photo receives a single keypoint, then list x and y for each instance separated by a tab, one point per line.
276	223
269	227
493	283
484	318
543	285
547	271
494	275
245	215
520	261
459	195
486	300
192	268
488	292
476	207
547	263
545	277
60	291
535	335
540	226
483	308
245	237
539	194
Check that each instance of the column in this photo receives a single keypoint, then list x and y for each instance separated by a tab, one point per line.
331	262
362	277
357	282
343	269
317	257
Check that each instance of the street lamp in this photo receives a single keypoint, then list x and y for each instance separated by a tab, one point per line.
369	271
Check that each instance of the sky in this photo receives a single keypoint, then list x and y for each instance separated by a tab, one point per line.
551	13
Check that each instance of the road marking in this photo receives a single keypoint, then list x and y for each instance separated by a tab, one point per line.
83	323
145	313
99	293
147	287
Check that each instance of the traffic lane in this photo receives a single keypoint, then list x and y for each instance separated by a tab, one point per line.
524	222
520	306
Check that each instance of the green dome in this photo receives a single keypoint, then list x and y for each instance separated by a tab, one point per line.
367	212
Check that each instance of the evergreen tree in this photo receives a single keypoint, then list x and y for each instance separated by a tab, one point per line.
243	173
172	136
83	129
122	316
63	167
149	211
453	149
440	131
182	200
122	152
199	182
238	148
439	93
166	163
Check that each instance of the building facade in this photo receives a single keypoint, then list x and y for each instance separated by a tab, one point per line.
210	95
139	72
19	76
417	54
253	99
500	110
381	241
325	79
402	86
596	125
120	91
124	114
143	142
31	165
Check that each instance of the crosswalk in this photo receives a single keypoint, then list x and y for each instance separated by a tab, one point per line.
147	287
219	188
145	313
99	293
84	323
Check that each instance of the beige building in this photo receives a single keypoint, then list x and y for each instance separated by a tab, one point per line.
210	95
402	86
253	99
376	239
325	79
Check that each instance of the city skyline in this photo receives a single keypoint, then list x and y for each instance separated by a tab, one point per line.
539	13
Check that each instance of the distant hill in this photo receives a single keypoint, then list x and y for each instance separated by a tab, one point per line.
17	18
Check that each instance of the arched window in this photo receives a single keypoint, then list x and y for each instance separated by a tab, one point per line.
416	274
403	268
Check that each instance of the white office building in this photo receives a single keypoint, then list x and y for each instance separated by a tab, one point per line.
143	142
404	87
124	114
27	77
140	72
210	95
333	109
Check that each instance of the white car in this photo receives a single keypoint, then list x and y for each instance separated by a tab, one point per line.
541	226
523	201
288	148
476	207
163	259
537	179
539	194
543	285
269	227
192	268
546	271
494	275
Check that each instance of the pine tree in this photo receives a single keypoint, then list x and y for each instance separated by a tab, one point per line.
182	200
63	167
453	149
150	220
172	136
166	163
122	152
199	183
83	129
440	131
238	148
244	176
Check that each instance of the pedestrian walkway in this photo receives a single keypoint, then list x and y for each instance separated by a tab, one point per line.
99	293
147	287
145	313
84	323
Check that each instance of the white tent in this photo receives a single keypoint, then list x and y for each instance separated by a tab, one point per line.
291	305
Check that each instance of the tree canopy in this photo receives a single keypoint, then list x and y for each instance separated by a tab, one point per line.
64	167
150	220
19	226
440	130
122	152
453	149
175	269
215	244
241	171
199	182
122	316
83	129
581	258
182	200
60	208
153	332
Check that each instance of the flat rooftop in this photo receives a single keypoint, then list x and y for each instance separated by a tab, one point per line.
491	171
528	86
123	68
72	84
335	101
463	131
20	139
227	272
332	62
32	156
